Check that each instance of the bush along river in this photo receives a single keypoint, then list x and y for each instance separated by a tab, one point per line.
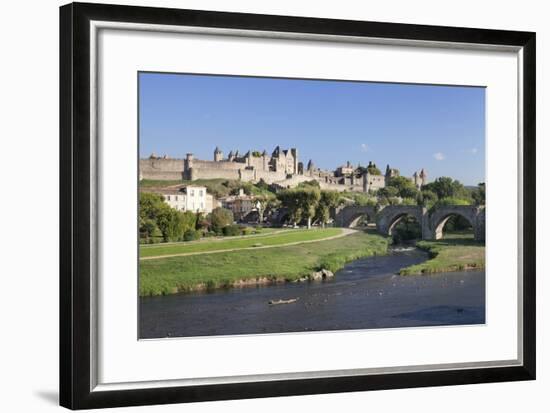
365	294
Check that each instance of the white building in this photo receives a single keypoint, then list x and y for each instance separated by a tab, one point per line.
190	198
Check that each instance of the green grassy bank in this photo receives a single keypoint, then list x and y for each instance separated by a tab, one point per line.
251	241
449	255
225	269
154	183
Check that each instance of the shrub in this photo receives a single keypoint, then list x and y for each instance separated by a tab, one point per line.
408	201
220	218
231	230
191	235
247	230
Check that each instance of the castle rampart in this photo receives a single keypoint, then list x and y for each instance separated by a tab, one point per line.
161	169
282	168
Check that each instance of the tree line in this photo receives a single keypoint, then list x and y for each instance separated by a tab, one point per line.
158	222
306	203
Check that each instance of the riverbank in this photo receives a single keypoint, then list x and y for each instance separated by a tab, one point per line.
253	267
449	255
365	294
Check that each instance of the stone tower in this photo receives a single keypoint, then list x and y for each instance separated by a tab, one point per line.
294	153
423	177
420	178
391	172
218	155
188	166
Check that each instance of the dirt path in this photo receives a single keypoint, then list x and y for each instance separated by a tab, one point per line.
345	232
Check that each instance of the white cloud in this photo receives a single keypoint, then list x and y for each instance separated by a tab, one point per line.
364	147
439	156
473	150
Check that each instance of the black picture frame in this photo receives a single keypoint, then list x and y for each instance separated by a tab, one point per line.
75	197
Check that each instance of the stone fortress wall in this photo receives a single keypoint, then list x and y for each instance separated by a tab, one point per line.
161	168
282	168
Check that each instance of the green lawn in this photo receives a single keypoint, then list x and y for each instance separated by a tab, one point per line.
187	273
453	254
218	187
458	235
150	183
205	245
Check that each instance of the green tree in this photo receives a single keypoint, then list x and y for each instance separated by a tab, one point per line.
263	186
301	203
171	224
150	205
189	220
220	218
155	217
446	187
405	187
450	201
263	203
147	228
328	200
373	170
409	201
427	198
289	200
478	194
309	184
308	199
387	192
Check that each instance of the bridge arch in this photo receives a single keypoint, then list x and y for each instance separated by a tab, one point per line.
348	216
431	224
399	218
391	215
356	218
441	216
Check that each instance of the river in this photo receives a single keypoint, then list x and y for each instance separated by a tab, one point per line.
365	294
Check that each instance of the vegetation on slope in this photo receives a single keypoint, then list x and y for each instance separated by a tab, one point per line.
454	254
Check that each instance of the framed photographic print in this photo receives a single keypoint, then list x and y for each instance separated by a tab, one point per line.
256	206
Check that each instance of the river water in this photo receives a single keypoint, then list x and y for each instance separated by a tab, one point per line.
365	294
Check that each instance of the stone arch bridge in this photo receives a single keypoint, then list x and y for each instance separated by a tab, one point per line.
431	222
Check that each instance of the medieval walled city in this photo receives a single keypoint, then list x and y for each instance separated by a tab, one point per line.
282	168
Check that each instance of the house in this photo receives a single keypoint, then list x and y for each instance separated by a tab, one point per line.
241	204
190	198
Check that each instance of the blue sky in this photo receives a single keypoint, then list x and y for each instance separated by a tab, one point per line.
439	128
